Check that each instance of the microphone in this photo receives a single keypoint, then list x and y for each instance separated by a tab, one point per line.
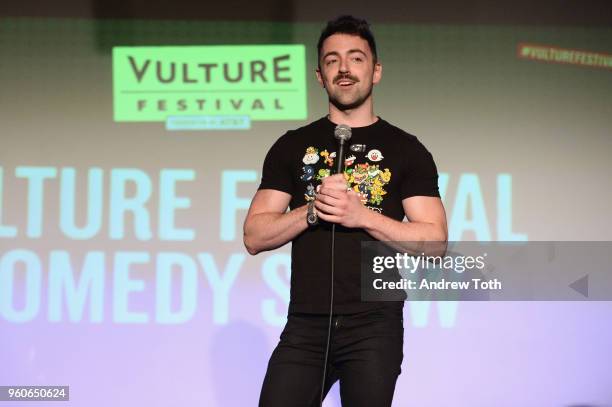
342	133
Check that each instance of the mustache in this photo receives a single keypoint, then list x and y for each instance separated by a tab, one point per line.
338	78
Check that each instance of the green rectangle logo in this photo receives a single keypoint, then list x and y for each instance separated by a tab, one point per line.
264	82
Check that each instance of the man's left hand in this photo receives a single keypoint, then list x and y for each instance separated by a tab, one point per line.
336	203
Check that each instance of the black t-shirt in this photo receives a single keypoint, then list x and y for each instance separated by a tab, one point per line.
393	165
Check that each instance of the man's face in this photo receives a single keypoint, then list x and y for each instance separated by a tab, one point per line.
347	70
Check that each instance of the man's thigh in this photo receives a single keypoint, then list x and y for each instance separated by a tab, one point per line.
368	357
295	369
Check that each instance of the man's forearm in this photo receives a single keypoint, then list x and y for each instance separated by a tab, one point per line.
416	234
267	231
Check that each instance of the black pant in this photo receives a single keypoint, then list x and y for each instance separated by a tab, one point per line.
366	354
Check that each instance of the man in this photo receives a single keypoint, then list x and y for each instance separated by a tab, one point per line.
388	175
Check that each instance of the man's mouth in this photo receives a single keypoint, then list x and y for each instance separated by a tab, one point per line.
345	81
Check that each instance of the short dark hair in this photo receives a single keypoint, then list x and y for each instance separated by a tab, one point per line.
348	25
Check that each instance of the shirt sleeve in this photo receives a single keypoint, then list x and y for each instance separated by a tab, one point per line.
276	173
421	175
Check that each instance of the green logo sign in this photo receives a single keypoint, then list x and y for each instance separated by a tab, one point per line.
264	82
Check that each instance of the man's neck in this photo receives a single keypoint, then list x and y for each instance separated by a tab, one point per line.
361	116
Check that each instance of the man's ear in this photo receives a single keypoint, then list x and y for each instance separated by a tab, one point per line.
377	73
319	77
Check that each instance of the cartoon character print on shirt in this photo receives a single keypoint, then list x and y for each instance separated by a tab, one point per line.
368	182
366	179
311	156
310	193
323	172
308	173
329	157
374	155
310	159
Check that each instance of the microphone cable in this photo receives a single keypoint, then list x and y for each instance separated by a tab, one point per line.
331	309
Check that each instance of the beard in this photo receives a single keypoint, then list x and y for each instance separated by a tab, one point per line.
345	100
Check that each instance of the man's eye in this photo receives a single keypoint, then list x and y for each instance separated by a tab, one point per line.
330	61
357	59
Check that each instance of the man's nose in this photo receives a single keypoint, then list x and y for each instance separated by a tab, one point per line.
343	68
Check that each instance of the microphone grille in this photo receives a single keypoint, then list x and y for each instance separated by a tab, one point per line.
342	132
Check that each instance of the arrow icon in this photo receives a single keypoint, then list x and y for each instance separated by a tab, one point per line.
581	286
